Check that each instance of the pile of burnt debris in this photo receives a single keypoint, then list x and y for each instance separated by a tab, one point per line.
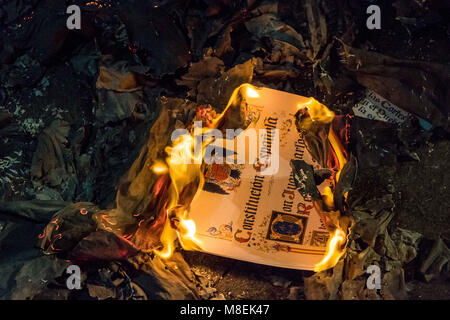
85	112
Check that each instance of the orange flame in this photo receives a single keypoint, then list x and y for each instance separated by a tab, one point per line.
183	170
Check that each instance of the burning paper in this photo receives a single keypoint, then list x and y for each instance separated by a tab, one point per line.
249	212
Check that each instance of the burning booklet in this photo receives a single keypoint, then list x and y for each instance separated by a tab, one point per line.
256	213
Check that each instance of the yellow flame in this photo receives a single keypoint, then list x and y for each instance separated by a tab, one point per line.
168	237
335	250
250	92
184	169
338	238
327	197
184	166
319	112
159	168
187	237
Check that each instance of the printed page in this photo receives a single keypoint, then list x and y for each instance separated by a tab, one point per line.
375	107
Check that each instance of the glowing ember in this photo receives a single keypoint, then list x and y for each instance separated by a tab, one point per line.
318	112
252	92
327	197
160	168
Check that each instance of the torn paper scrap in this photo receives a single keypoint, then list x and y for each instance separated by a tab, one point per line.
375	107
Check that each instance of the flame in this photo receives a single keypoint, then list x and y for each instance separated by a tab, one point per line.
250	92
184	168
335	250
160	168
187	231
318	112
337	241
327	197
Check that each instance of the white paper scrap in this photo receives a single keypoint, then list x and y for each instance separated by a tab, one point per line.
375	107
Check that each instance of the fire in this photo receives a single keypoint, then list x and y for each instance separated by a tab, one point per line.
252	92
327	197
337	242
184	167
160	168
187	232
335	250
337	148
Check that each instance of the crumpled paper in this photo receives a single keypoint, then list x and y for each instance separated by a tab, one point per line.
52	164
370	243
437	261
120	96
217	91
418	87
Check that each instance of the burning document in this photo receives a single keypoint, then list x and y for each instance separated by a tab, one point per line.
254	212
